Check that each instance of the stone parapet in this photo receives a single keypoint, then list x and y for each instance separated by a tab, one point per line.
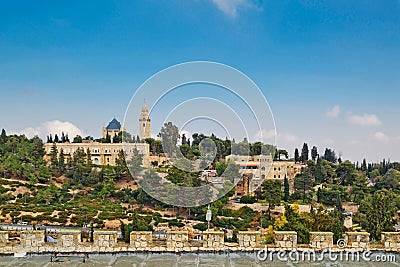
357	240
286	240
32	240
249	239
321	240
391	240
68	240
177	240
212	239
104	240
141	240
3	238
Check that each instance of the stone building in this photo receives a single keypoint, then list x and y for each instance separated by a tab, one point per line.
101	153
113	128
107	153
262	167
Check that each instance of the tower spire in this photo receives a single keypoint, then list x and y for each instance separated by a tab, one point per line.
144	122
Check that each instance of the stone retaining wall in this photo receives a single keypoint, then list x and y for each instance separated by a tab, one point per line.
285	240
321	240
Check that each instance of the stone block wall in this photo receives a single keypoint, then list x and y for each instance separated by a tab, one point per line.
321	240
357	240
212	239
68	240
177	240
3	238
141	240
32	240
249	239
391	240
285	240
104	240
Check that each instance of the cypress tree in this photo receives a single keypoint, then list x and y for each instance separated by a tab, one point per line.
286	189
296	155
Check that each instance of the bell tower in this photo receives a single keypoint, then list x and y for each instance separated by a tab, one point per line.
144	123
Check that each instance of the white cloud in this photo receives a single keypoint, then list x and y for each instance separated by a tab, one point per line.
52	127
230	7
333	113
364	120
263	135
381	137
287	138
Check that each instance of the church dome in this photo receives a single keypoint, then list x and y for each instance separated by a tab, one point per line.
114	125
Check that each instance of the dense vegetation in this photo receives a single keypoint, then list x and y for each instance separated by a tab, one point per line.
71	190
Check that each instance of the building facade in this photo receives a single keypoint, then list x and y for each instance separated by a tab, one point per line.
107	153
258	168
101	153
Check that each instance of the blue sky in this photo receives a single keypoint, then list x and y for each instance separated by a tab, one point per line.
329	69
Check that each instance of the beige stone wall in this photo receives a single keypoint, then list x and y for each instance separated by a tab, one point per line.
212	239
177	240
32	240
104	240
357	240
321	240
141	240
285	240
101	153
3	238
391	240
68	240
249	239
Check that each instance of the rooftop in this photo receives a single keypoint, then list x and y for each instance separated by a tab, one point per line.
114	125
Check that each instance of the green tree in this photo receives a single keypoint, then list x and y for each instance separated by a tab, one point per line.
286	189
54	158
169	135
134	162
77	139
314	153
303	183
296	155
3	137
379	211
330	155
61	161
272	193
304	153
